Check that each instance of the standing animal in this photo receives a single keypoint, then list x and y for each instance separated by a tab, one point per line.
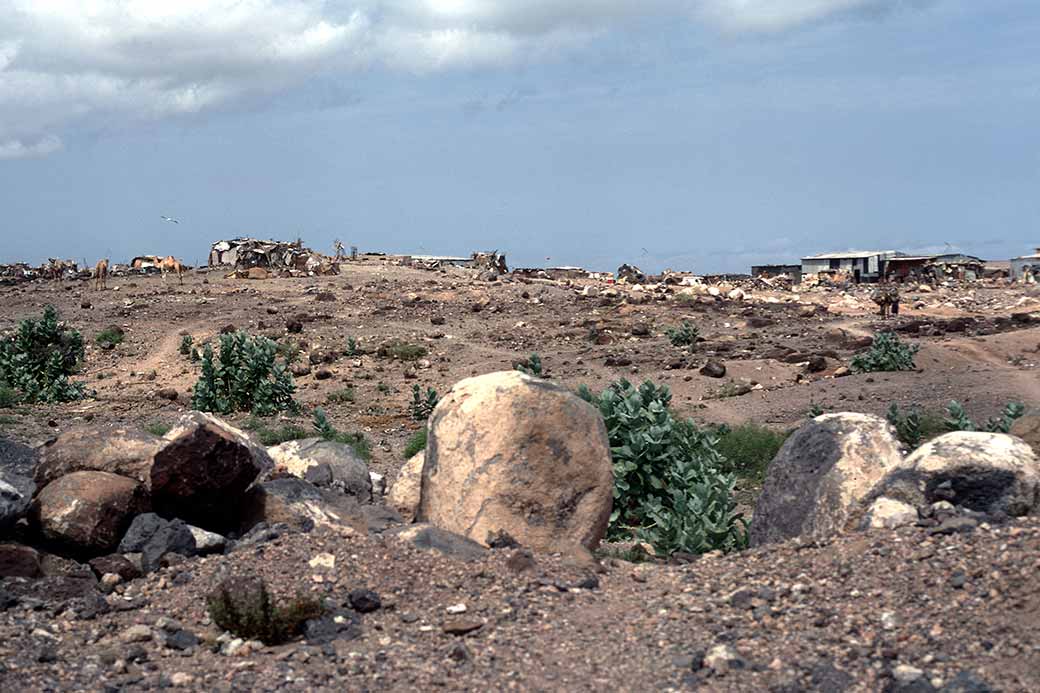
101	275
887	299
171	264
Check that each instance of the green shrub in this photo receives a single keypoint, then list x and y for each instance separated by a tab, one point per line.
289	351
244	606
422	405
353	347
814	410
416	444
532	365
324	428
8	396
748	449
187	345
157	428
886	354
402	351
39	357
343	396
686	334
110	337
914	426
246	378
668	486
384	388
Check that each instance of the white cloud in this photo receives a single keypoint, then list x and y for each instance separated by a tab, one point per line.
64	63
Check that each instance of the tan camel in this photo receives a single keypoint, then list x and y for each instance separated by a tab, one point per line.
101	275
171	264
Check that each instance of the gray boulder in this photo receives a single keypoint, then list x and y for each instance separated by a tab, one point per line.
816	484
426	537
325	463
988	473
154	537
299	504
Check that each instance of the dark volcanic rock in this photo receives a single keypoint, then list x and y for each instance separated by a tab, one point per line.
714	369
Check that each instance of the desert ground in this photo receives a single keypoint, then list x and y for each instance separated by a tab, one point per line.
906	610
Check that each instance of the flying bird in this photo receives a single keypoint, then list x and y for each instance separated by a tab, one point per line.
170	219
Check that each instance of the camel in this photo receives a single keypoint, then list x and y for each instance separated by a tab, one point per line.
171	264
101	275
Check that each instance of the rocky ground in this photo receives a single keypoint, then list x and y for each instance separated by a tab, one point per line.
950	606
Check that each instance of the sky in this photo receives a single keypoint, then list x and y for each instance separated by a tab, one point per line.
701	135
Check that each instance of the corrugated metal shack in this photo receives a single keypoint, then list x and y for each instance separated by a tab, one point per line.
290	259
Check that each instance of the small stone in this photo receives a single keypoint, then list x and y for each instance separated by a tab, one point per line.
723	658
462	626
456	609
365	601
904	673
137	633
181	679
714	369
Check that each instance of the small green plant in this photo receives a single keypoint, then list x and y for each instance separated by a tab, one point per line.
686	334
402	351
110	337
324	428
532	365
748	449
353	347
422	404
37	360
344	396
245	607
416	444
814	410
6	420
383	388
157	428
246	377
885	355
289	351
187	345
958	420
669	489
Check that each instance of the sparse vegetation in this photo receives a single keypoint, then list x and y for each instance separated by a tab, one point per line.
247	377
686	334
244	606
269	436
815	409
416	444
37	360
157	428
8	396
110	337
748	449
353	347
915	427
402	351
289	351
958	420
383	388
187	345
532	365
886	355
422	404
324	428
669	489
344	396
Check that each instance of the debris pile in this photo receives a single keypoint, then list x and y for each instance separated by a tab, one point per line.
287	259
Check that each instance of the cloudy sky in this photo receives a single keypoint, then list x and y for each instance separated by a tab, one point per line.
692	134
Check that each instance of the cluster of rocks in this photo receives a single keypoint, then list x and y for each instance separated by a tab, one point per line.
844	472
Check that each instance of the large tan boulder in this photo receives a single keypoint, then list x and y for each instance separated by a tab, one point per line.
202	471
114	449
87	513
508	452
984	472
817	482
407	489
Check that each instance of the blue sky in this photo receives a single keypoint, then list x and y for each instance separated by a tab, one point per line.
693	134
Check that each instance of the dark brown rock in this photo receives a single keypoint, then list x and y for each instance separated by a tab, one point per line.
19	561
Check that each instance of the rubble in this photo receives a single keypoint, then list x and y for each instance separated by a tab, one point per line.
286	259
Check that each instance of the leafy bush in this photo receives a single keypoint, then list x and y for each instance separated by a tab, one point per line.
39	357
187	345
915	427
324	428
110	337
416	444
886	354
290	351
402	351
686	334
815	409
343	396
246	378
532	365
245	607
748	449
668	486
422	405
353	347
